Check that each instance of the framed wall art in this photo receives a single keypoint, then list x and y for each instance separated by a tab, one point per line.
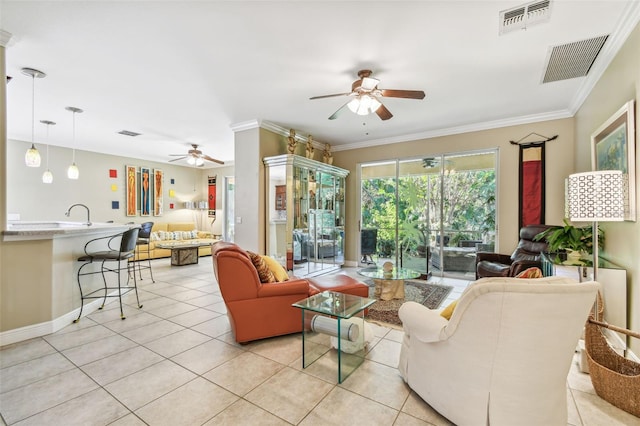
613	148
158	201
145	193
132	190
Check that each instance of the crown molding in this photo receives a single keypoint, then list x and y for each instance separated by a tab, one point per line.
274	128
245	125
475	127
5	38
628	22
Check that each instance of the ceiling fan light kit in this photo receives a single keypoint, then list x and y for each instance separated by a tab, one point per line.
364	104
366	97
195	157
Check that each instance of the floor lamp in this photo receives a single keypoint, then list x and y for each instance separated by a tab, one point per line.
596	196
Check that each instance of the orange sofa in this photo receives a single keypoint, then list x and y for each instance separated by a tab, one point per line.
259	310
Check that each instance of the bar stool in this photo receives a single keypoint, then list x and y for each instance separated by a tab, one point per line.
123	254
144	239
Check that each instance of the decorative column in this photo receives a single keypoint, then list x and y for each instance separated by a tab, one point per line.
4	41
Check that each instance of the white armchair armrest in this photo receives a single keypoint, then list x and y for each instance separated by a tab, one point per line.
421	322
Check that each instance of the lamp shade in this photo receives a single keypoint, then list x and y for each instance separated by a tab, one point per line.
47	177
596	196
32	157
73	172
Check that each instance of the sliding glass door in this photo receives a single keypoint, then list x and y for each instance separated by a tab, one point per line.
431	214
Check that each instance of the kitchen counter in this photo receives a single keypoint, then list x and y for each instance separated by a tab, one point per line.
39	284
24	230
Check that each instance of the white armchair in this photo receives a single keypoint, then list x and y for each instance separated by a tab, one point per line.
504	356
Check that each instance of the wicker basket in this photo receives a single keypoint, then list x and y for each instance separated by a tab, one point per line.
615	379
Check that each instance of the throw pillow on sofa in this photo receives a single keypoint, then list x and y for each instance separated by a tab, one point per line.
278	271
448	311
532	272
264	273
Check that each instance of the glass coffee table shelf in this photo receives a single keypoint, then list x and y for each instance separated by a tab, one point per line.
334	320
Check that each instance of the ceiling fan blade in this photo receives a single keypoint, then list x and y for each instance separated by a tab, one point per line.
176	159
383	112
407	94
369	83
330	96
213	160
339	111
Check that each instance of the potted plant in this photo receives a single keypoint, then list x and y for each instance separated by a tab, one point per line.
569	238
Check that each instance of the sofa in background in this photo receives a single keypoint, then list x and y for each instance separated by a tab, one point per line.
174	232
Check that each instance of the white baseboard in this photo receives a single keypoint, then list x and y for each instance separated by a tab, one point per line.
42	329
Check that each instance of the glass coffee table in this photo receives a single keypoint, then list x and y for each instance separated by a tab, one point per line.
389	284
334	316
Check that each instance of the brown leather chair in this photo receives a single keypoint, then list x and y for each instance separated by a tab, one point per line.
526	255
259	310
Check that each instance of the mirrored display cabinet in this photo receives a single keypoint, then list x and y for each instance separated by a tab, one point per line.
307	235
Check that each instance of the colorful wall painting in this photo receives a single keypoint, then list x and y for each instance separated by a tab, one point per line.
158	200
132	188
145	193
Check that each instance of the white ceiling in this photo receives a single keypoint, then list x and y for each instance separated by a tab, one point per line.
184	72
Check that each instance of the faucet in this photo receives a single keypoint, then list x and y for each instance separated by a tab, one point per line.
88	223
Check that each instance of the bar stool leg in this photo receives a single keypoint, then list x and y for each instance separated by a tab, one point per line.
81	293
138	260
149	263
135	286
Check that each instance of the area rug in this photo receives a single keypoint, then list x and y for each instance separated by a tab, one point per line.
428	294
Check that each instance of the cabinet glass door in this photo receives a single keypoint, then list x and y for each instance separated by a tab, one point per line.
310	229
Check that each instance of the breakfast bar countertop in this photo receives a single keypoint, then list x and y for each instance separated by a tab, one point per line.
40	230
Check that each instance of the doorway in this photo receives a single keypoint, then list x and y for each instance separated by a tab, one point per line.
229	211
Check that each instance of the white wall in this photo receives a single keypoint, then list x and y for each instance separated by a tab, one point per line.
249	199
619	84
34	200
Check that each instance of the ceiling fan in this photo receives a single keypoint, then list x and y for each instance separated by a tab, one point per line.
366	94
195	157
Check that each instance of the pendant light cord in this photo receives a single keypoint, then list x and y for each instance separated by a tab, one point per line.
74	138
33	109
47	147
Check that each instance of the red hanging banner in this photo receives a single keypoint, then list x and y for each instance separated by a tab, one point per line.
531	184
212	196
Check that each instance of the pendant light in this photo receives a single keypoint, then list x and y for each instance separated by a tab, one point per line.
72	171
47	176
32	156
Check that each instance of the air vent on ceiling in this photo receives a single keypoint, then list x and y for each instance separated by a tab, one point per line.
523	16
572	60
128	133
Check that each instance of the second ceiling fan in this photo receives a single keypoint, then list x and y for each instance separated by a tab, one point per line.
195	157
366	94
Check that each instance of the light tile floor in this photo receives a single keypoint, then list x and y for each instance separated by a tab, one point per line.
174	362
